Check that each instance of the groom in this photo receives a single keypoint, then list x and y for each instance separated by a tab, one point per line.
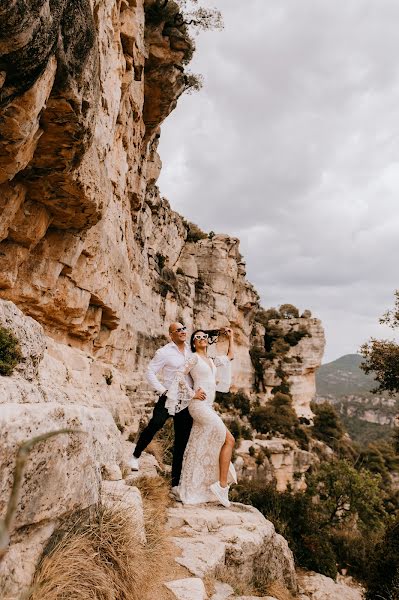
168	359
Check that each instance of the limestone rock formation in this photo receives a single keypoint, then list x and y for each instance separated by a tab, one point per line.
284	462
300	363
190	588
240	539
313	586
94	263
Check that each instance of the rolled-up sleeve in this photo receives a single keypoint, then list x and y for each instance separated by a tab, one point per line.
223	373
154	366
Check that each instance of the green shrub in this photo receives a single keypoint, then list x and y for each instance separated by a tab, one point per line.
292	516
280	346
279	416
346	495
238	401
337	520
10	353
246	432
235	428
396	440
161	12
353	550
263	316
273	333
327	425
199	285
161	260
282	388
194	233
383	573
193	82
257	354
293	337
288	311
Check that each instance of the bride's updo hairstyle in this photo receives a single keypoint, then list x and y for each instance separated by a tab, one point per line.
213	335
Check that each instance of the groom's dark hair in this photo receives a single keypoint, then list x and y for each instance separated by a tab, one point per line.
213	335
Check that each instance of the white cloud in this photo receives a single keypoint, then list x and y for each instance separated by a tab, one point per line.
293	146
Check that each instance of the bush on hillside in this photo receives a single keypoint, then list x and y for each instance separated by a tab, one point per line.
334	521
292	516
237	401
288	311
327	425
279	416
382	579
381	357
263	316
10	353
194	233
346	495
294	337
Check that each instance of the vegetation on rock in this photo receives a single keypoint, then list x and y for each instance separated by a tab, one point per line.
234	402
194	233
279	416
177	17
337	498
383	575
381	357
10	353
327	425
109	544
276	343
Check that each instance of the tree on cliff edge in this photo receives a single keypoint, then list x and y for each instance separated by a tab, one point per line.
177	19
381	357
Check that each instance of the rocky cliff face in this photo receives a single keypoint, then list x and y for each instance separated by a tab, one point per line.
94	263
295	362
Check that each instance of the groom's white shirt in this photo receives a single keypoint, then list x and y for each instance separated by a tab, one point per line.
168	359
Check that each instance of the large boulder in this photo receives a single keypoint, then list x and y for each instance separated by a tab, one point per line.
239	539
314	586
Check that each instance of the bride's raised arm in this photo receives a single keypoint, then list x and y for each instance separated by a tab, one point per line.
223	365
179	391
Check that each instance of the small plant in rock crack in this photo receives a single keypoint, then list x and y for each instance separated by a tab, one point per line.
10	352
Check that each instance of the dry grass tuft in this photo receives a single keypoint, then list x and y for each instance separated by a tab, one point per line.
100	555
278	591
157	450
242	586
155	494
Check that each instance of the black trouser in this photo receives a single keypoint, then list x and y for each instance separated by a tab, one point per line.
182	422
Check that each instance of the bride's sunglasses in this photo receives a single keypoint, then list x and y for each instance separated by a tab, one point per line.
201	336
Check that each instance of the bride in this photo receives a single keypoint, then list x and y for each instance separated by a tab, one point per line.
207	468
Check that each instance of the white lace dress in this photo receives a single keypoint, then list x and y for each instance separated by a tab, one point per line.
208	434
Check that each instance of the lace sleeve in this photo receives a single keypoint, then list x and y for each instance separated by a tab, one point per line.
179	391
223	373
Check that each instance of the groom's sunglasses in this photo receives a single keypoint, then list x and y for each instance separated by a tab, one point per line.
180	330
201	336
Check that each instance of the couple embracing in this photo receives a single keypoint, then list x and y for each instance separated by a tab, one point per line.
202	468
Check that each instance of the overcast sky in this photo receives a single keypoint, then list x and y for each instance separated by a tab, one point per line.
293	146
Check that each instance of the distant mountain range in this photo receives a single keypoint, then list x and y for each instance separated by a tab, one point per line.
343	377
367	417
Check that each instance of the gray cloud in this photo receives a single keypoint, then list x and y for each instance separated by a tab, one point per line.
293	146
